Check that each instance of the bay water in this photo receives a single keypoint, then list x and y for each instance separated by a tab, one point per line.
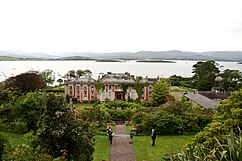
181	67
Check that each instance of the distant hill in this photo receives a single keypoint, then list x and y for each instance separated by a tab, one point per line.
180	55
141	55
170	55
18	54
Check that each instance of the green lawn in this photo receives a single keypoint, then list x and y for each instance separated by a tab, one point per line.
164	144
83	105
14	139
102	148
180	89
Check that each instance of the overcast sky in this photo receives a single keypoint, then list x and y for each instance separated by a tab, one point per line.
120	25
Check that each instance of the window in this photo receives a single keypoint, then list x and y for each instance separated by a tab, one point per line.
85	93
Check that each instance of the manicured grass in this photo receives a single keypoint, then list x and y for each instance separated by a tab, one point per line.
180	89
164	145
102	148
128	128
14	139
83	105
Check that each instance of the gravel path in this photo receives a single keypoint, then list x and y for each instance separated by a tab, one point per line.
121	150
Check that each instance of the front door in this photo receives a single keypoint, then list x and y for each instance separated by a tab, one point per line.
119	96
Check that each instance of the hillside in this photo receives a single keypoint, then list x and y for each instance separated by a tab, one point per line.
141	55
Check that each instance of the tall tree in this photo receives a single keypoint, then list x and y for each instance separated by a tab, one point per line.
232	79
60	81
80	72
71	74
205	74
26	82
62	134
48	76
160	93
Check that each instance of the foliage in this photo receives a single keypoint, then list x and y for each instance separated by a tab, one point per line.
231	79
18	127
121	110
138	86
25	152
26	82
48	76
180	81
80	72
164	123
221	139
28	108
230	150
3	142
94	115
62	134
174	118
60	81
139	78
121	104
160	93
14	139
6	113
205	74
138	117
99	86
72	73
227	118
8	96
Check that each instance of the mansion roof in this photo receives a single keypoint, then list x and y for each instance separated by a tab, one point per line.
117	78
84	80
150	80
111	78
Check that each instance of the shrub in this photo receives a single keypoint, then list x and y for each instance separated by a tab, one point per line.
164	122
229	150
19	127
62	134
137	117
25	153
3	143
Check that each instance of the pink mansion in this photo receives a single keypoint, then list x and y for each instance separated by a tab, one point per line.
109	86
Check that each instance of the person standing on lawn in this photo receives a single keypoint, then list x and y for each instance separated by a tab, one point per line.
153	136
110	135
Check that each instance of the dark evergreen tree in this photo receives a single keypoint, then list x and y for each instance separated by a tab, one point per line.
204	75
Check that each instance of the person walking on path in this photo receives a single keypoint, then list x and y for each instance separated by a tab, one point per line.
153	136
131	136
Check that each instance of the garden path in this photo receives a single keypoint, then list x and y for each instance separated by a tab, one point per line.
121	150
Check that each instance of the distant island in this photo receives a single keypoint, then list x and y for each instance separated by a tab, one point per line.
155	61
108	60
74	58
